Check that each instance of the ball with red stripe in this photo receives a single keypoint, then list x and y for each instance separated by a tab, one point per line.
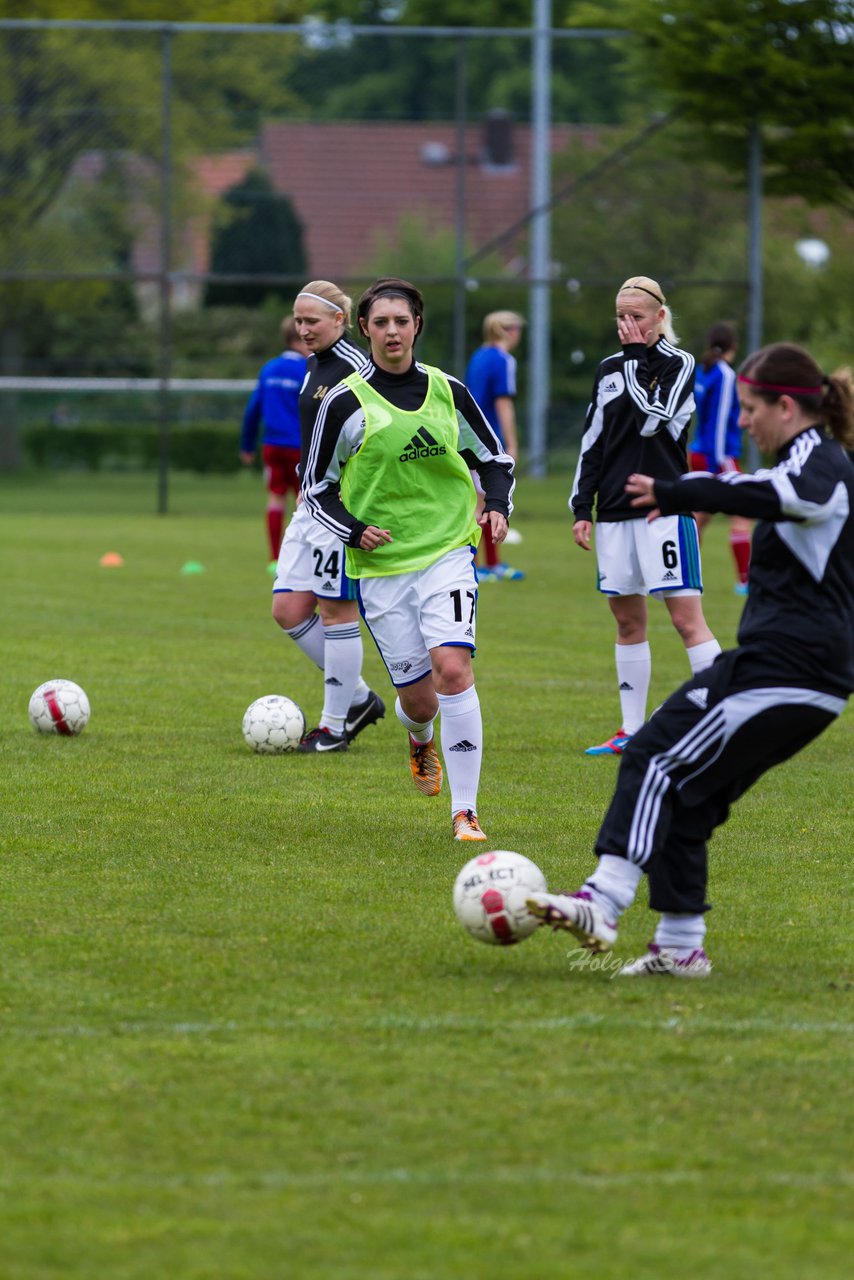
490	893
59	706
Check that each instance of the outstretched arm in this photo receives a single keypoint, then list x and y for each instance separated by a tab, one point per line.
774	495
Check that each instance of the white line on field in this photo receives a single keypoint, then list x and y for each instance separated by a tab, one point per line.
426	1025
433	1175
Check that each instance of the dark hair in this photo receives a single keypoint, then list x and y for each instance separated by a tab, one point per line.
722	337
392	287
289	331
786	369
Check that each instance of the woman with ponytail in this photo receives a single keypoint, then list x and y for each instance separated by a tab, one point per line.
758	704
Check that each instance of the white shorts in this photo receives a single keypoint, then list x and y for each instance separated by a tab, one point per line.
312	559
408	614
636	558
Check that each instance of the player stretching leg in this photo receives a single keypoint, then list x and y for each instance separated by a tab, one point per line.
757	705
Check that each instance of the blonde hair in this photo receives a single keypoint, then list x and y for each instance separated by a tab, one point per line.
496	324
328	292
646	284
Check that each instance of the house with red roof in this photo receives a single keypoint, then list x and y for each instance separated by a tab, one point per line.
350	183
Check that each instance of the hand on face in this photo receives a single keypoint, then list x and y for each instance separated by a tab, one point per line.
639	319
628	330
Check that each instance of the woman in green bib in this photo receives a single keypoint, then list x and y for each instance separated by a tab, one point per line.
389	472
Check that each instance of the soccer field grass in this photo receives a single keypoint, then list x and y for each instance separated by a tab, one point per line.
243	1034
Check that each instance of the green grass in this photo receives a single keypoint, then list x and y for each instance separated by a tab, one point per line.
243	1035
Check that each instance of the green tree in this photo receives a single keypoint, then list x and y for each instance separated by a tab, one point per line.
787	65
341	76
71	100
259	233
66	92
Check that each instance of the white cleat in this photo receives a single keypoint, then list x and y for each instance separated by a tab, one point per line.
663	960
577	913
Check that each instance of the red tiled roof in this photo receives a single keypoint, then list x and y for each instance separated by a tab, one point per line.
351	182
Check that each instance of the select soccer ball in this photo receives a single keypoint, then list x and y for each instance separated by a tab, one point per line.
273	724
490	893
59	706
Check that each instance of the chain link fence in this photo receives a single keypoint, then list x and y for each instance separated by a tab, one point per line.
165	190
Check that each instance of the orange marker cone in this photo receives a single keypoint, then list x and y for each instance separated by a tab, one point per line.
111	560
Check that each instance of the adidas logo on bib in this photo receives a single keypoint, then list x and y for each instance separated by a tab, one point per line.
422	445
699	697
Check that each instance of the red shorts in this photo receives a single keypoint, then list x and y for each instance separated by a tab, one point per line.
702	462
280	468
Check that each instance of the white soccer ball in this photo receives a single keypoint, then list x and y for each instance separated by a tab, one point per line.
59	706
490	893
273	724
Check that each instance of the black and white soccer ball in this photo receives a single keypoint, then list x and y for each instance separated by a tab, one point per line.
490	893
273	724
59	706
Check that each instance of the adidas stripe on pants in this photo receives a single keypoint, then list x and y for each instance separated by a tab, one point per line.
701	750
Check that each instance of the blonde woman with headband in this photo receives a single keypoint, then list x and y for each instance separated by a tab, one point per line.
314	601
637	421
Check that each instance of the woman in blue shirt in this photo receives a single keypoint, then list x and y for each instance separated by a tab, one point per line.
275	403
716	447
491	378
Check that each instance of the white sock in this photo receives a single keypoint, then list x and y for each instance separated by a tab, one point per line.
360	693
462	746
682	934
634	668
309	637
342	667
418	732
702	655
614	884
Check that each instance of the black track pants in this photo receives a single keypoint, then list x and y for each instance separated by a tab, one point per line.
701	750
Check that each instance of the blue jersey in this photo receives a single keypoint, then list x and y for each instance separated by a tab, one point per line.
275	400
718	435
491	373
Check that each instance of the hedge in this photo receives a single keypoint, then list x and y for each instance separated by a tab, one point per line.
202	447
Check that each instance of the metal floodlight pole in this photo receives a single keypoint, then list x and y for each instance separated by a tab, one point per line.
754	256
461	104
754	247
164	275
539	304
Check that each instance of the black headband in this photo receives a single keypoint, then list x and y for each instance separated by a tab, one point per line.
642	289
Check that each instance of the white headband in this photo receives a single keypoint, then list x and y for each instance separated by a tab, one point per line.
317	298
